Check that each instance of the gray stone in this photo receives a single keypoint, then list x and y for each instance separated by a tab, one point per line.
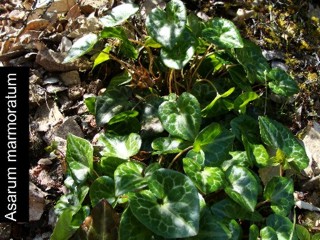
70	78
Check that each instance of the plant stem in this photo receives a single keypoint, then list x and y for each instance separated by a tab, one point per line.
178	155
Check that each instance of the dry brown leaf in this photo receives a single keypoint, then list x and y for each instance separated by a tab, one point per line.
52	61
59	6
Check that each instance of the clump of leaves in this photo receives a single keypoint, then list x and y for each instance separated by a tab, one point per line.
183	158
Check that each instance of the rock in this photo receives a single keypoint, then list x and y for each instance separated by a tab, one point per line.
311	141
69	126
70	78
75	92
36	202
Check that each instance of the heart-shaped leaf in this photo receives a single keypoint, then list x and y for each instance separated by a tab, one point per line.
167	26
129	177
283	227
268	233
132	229
279	191
110	104
222	33
64	227
275	135
207	136
281	83
102	188
253	62
207	179
80	47
105	222
79	171
182	117
228	209
119	14
166	145
212	228
243	187
79	150
120	146
167	216
183	51
217	151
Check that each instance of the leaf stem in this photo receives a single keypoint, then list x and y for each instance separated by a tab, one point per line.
178	155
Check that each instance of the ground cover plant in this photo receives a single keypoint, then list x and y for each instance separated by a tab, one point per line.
186	137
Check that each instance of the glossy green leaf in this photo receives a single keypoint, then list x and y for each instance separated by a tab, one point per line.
253	62
167	216
316	236
283	227
279	191
253	232
167	26
182	117
184	50
222	33
212	107
277	136
120	146
90	103
207	136
151	168
261	155
268	233
102	188
123	116
102	57
150	42
108	165
218	150
166	145
126	47
79	171
110	104
195	24
241	102
207	179
79	150
105	222
237	158
228	209
119	14
64	227
281	83
132	229
244	125
80	47
243	187
120	80
213	228
129	177
302	233
238	76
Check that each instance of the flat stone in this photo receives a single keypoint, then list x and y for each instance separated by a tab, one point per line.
69	126
36	202
70	78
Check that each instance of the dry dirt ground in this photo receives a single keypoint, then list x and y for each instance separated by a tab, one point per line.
38	34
